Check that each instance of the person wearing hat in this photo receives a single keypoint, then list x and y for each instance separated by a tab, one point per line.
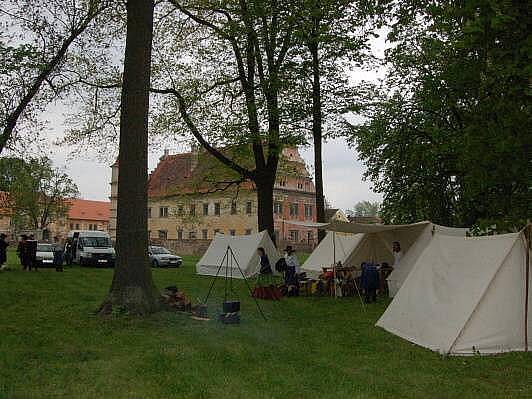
3	250
292	271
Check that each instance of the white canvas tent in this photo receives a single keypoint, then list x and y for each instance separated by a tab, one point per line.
352	244
333	248
464	296
245	251
398	276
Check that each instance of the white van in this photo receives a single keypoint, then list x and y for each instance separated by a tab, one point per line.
89	247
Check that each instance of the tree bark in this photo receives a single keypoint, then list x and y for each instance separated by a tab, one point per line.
264	186
132	288
317	133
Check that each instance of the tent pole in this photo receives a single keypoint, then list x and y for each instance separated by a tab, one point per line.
334	263
527	279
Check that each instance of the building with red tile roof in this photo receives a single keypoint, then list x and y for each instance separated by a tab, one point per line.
189	198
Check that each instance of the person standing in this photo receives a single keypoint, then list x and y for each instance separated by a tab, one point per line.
369	280
292	271
397	254
58	255
3	250
22	251
31	248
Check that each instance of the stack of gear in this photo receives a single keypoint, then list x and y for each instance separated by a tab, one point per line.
176	299
231	312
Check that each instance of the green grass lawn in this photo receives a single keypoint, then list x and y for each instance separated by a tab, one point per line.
52	346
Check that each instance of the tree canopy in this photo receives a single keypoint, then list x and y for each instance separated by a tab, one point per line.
37	193
447	137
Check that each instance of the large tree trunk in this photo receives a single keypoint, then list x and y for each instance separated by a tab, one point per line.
317	135
132	287
265	221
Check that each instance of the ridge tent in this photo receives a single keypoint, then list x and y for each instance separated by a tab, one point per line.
465	295
245	251
333	248
398	275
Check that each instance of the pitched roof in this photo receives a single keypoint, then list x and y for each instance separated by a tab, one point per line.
199	172
89	210
330	213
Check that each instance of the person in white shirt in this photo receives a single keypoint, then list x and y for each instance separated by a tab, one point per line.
397	254
291	259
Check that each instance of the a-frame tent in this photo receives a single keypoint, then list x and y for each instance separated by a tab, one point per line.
334	248
465	296
244	249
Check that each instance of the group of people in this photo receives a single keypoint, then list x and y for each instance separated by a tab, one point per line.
369	280
27	252
266	286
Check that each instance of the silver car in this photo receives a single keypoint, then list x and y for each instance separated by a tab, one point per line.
45	255
161	257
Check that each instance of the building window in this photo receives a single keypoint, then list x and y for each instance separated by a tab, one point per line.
180	234
217	231
233	207
217	209
249	207
191	235
163	212
248	232
294	209
77	226
204	234
300	186
232	232
294	235
180	210
71	226
308	211
310	236
278	208
163	234
205	209
149	213
192	209
282	183
149	234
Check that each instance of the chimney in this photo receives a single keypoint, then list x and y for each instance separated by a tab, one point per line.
165	154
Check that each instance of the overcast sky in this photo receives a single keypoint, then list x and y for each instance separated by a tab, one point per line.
343	182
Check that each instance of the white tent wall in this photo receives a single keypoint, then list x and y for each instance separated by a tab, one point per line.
457	296
377	247
498	323
334	247
398	276
245	251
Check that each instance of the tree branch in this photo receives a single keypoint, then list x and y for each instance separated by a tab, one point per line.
196	133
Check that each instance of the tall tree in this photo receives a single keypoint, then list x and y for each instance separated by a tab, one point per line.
448	137
336	35
248	46
35	37
38	193
132	287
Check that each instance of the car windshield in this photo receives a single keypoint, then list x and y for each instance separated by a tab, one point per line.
159	250
44	248
96	242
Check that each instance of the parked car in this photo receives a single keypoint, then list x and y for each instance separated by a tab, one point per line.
161	257
89	247
45	255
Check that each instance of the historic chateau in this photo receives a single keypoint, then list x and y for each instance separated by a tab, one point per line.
189	199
